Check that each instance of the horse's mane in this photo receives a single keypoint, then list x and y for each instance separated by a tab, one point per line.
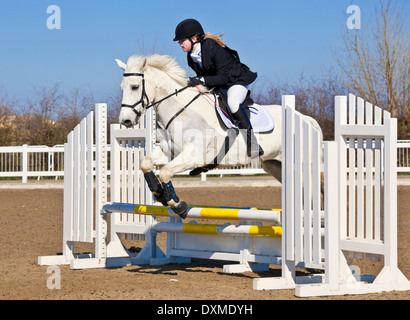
160	62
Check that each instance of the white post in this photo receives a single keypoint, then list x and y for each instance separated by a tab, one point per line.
340	120
24	163
332	229
390	193
288	278
288	210
68	244
101	179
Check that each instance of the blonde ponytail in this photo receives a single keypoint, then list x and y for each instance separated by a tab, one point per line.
217	38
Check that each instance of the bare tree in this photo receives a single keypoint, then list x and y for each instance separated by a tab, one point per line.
7	121
39	123
76	105
375	60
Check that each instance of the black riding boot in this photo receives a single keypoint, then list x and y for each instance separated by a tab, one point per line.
253	149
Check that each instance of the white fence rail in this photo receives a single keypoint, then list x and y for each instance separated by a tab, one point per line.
403	155
42	161
32	161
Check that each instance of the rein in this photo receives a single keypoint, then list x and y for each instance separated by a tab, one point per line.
144	96
181	110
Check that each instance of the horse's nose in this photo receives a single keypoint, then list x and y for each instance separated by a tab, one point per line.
127	123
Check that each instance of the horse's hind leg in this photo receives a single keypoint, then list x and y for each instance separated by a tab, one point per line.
274	168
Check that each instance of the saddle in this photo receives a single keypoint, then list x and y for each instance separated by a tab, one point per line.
260	119
223	104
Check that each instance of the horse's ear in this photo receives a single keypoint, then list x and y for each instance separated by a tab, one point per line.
121	64
144	64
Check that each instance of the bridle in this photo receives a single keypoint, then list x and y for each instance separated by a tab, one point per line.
144	97
144	101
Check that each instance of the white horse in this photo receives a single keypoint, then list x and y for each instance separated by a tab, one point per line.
192	129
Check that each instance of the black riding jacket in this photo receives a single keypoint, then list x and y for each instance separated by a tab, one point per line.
222	67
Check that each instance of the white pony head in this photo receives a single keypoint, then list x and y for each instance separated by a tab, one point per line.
143	76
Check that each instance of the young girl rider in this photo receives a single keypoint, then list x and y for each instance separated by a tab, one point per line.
218	66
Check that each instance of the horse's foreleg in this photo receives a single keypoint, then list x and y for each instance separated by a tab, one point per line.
188	159
157	158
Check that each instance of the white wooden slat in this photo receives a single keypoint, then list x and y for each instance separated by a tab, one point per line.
377	179
124	180
360	189
352	109
101	179
352	187
76	183
390	194
298	189
332	237
386	115
316	203
130	171
369	188
68	234
129	217
144	191
369	113
352	172
138	175
360	172
290	247
360	111
369	175
115	156
122	173
90	179
130	184
83	180
136	171
307	195
340	121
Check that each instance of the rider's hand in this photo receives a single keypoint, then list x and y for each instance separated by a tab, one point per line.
194	81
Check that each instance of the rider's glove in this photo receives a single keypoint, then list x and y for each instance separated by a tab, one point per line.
194	81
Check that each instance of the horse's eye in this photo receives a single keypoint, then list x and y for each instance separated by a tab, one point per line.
135	87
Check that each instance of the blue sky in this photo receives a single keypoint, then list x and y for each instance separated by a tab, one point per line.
277	39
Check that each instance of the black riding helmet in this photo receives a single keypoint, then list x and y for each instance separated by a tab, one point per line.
187	29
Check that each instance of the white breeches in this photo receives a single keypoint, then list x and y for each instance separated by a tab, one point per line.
236	95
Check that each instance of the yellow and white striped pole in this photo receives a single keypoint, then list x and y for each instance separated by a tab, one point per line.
220	213
214	229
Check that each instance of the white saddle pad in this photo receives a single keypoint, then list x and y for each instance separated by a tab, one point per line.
261	119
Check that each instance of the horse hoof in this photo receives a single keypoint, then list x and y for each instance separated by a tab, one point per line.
181	210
